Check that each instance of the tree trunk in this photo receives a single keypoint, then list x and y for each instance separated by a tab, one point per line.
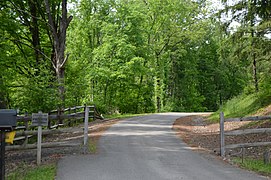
105	91
3	103
34	29
58	31
254	61
255	74
253	54
266	157
139	94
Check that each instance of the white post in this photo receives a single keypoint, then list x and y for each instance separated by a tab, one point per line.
222	136
39	145
86	129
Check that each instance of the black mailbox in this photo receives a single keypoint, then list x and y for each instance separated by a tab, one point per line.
8	119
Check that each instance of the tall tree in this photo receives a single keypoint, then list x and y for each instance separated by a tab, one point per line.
137	56
58	26
39	44
253	17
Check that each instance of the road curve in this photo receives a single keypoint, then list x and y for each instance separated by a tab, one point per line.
146	148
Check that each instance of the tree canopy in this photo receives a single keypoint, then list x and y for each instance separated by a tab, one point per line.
132	56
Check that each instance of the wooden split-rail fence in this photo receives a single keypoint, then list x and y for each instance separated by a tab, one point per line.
223	134
56	122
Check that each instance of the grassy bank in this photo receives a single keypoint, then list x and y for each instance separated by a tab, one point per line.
247	105
242	105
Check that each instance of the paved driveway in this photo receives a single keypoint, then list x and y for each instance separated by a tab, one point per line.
146	148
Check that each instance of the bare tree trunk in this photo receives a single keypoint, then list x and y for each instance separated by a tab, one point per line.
58	31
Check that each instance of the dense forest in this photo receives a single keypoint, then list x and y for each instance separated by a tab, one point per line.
133	56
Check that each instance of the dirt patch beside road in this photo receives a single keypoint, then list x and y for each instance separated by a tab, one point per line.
202	135
197	132
204	138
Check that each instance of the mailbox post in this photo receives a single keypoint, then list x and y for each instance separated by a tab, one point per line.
3	150
7	123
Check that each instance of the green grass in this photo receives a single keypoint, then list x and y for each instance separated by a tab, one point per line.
92	146
24	172
254	165
240	106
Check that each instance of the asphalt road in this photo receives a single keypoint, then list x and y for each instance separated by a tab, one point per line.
146	148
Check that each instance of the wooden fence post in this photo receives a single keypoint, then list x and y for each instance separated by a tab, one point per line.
266	156
74	111
39	145
222	136
94	113
49	121
60	112
86	129
26	129
69	120
2	153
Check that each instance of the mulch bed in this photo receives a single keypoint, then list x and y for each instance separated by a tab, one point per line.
202	135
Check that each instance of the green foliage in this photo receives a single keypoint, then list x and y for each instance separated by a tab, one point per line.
250	41
244	54
135	56
142	57
27	79
35	94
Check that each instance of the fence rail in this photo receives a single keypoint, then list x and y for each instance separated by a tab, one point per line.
223	147
43	145
248	131
69	116
252	118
